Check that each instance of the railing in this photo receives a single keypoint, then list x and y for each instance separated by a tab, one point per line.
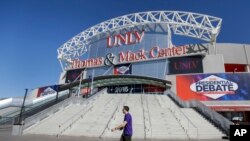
31	110
45	113
188	126
149	118
68	124
38	107
143	112
122	101
220	121
6	121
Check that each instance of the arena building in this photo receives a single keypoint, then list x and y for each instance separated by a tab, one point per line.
141	44
133	60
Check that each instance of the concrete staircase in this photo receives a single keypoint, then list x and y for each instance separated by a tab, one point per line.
154	117
205	129
94	122
164	123
133	100
51	124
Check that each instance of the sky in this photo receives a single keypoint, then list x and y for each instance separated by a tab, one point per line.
32	30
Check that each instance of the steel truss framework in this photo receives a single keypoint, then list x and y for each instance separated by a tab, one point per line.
194	25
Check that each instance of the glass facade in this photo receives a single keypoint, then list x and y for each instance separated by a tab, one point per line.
136	88
156	68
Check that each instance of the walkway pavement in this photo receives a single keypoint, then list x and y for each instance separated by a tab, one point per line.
5	136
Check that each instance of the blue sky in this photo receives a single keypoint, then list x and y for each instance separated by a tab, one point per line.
32	30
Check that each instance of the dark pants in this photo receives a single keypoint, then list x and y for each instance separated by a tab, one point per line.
125	138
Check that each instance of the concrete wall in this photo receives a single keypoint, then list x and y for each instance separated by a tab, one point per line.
172	78
234	53
247	49
213	63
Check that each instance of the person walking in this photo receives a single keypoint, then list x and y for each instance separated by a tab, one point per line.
126	126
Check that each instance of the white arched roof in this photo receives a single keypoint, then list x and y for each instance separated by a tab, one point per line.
189	24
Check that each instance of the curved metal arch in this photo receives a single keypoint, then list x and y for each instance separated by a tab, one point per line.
194	25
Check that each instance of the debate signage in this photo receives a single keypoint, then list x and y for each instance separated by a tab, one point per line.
43	91
219	86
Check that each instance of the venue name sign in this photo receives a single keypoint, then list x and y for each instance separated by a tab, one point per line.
129	56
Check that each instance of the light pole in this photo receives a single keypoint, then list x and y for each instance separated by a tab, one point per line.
22	108
79	88
88	90
56	88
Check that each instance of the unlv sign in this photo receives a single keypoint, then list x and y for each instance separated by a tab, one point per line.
184	65
128	38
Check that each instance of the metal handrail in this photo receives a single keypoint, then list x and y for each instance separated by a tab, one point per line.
220	121
150	123
113	114
69	123
64	126
31	110
174	109
43	114
82	109
142	99
179	117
